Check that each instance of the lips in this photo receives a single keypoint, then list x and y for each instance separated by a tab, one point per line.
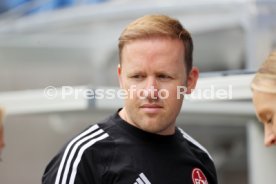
151	108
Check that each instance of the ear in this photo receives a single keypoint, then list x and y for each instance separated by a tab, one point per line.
192	79
119	72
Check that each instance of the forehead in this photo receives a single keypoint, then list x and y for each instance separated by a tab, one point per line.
264	102
157	52
162	46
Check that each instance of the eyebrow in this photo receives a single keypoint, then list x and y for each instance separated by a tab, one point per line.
135	72
157	72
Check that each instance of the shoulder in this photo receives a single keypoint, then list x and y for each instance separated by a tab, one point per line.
200	153
90	137
96	138
87	153
194	144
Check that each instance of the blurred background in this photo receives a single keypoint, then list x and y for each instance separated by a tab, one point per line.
74	43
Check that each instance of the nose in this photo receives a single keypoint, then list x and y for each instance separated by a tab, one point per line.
270	140
270	137
152	89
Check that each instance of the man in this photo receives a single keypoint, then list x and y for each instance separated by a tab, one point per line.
141	143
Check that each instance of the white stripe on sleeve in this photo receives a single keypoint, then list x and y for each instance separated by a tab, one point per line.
91	129
74	151
83	148
192	140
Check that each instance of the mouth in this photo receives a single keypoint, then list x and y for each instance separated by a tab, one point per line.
151	108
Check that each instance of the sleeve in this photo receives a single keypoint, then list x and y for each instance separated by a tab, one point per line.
69	167
50	172
207	163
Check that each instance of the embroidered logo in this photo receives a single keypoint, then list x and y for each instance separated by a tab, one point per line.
142	179
198	177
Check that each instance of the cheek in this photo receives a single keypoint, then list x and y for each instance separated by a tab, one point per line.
123	82
174	101
173	93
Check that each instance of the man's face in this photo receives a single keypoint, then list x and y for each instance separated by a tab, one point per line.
265	105
152	67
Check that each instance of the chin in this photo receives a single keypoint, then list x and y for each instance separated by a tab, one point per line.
153	130
153	127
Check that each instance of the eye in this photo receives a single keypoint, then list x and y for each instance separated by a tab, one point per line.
266	117
164	76
269	120
137	76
